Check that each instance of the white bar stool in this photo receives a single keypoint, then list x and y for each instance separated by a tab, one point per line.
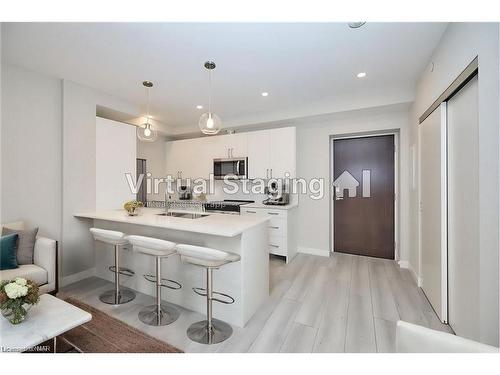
161	313
119	295
209	331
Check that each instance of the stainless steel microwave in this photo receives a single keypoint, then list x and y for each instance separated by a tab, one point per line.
234	168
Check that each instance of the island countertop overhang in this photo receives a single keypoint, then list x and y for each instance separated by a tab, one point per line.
213	224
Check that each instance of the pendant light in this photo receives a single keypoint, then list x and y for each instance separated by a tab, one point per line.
146	132
209	123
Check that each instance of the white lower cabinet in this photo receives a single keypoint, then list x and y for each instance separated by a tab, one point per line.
282	234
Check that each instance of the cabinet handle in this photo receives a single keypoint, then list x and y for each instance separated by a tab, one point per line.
274	227
267	173
275	246
273	213
250	212
271	173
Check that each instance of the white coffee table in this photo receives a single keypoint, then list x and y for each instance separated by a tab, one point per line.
46	320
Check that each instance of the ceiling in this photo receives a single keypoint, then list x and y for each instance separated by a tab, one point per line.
308	69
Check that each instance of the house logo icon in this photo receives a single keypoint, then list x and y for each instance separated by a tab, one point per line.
346	181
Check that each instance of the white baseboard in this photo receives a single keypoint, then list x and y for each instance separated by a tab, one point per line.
407	265
313	251
70	279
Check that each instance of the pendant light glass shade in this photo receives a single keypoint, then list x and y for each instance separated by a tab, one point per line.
146	132
209	122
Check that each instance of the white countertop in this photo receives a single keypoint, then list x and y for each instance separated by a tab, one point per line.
213	224
270	206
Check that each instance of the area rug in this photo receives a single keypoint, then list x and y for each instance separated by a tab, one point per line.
105	334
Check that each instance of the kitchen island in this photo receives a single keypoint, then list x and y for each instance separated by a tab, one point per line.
247	281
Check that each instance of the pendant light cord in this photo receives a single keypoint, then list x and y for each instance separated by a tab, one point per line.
210	91
147	105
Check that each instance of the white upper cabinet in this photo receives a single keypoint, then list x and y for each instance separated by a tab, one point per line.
188	158
229	145
258	154
282	153
271	153
174	155
238	145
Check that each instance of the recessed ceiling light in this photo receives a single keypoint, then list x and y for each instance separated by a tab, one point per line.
355	25
361	75
265	94
199	107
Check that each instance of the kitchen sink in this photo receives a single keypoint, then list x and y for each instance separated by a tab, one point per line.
184	215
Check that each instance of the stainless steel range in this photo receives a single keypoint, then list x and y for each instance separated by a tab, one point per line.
227	206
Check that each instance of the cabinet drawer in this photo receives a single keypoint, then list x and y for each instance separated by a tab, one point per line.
264	211
274	213
277	245
277	227
250	211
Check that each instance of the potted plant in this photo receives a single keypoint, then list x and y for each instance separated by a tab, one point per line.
16	298
133	207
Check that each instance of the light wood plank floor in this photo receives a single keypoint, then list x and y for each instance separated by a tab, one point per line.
344	303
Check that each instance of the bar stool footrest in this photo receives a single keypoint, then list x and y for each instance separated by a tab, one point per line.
152	279
203	292
122	271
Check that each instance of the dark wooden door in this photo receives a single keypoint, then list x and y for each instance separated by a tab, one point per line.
364	196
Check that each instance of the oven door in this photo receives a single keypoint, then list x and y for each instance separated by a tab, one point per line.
234	168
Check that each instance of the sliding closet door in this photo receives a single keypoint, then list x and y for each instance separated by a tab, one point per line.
432	133
463	211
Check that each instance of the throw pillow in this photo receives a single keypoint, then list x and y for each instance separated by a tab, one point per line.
25	244
8	252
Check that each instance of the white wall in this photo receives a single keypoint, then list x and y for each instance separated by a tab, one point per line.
1	69
154	153
48	151
460	43
314	160
79	172
116	149
31	149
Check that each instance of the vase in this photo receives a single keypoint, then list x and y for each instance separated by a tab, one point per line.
135	212
16	316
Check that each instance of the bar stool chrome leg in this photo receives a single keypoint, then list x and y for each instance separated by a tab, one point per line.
162	313
118	296
210	331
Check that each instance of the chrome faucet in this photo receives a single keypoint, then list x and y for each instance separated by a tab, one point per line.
168	204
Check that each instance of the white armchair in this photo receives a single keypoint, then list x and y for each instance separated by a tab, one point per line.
43	271
411	338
